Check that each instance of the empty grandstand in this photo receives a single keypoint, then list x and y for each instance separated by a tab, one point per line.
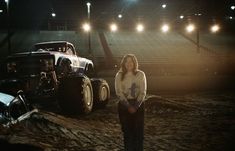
220	43
151	47
173	50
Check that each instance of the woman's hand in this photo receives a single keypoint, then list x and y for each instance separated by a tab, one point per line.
131	109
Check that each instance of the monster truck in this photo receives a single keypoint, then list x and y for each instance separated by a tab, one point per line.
54	70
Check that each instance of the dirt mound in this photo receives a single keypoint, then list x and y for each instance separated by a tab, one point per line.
186	122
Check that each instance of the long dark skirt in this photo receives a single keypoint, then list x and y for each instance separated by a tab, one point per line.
132	127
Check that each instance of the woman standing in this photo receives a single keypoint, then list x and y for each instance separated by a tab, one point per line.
130	87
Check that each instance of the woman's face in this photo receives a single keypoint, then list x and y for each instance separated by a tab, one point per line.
129	64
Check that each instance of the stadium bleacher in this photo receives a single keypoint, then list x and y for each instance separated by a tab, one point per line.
167	59
150	47
154	47
220	43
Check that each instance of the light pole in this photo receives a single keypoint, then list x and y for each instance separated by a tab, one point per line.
198	32
89	22
8	27
198	37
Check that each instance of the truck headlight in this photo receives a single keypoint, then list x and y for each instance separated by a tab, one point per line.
47	64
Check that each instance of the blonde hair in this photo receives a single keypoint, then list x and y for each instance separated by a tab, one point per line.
123	67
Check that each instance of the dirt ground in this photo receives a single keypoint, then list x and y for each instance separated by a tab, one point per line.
186	122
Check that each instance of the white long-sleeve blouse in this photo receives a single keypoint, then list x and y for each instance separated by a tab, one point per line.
133	86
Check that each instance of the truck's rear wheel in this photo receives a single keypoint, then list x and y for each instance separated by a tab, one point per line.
101	92
75	95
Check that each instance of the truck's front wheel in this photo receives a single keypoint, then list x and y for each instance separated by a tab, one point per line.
75	95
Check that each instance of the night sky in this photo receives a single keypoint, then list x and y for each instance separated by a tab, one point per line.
36	13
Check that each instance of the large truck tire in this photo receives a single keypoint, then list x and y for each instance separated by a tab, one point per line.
75	95
101	92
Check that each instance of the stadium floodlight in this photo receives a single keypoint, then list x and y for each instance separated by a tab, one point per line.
86	27
165	28
88	4
113	27
119	15
140	27
53	14
199	14
190	28
232	7
181	16
215	28
163	5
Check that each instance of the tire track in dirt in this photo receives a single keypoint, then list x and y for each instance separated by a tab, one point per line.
177	123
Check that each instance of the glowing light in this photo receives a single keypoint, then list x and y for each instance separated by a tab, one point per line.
181	16
113	27
140	28
1	11
230	17
215	28
6	1
86	27
165	28
199	14
53	14
232	7
190	28
120	16
88	4
163	5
